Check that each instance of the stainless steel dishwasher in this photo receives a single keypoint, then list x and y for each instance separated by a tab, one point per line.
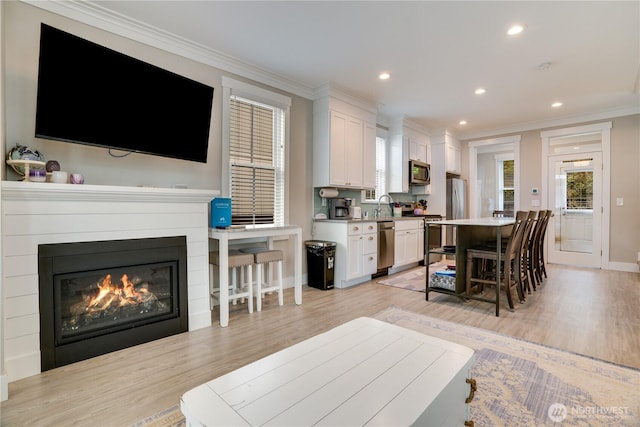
386	246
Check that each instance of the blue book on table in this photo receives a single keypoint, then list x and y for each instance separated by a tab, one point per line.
221	212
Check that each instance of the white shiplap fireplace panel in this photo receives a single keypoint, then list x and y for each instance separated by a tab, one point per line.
41	213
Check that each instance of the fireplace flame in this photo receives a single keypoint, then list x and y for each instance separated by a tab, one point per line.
112	296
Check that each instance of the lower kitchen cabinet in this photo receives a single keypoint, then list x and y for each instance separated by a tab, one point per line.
356	249
409	242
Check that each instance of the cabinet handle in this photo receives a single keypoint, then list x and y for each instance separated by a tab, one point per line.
370	258
355	228
370	237
472	390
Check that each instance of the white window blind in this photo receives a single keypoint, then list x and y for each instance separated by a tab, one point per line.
256	162
505	183
381	171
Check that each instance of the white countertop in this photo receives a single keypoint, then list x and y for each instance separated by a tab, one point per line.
385	218
258	228
485	222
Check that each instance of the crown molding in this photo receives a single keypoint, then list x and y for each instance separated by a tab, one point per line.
90	13
562	121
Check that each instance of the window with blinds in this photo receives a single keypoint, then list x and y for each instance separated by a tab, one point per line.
506	185
381	171
256	161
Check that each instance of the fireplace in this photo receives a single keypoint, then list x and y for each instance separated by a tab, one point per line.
102	296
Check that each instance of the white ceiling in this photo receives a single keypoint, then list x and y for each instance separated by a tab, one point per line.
438	53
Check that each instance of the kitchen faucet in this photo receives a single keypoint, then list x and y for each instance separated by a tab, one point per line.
377	211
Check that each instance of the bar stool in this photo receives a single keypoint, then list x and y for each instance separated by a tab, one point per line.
237	290
264	256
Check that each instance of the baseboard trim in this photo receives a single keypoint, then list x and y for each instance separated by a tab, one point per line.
624	266
4	388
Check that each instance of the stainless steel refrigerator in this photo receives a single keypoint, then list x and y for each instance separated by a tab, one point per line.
456	207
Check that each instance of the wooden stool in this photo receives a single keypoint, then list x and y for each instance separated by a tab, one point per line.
236	259
263	256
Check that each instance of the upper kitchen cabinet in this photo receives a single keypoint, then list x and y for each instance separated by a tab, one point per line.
453	157
408	141
449	152
344	142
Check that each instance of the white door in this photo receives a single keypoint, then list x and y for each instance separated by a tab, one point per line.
575	197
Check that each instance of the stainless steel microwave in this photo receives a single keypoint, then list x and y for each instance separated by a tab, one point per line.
419	173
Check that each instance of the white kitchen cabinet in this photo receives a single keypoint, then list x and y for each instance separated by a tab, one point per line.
419	149
344	141
408	141
356	249
409	242
453	157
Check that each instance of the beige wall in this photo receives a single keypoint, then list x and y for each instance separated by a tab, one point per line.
625	181
22	34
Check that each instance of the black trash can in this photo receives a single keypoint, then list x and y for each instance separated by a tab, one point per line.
321	256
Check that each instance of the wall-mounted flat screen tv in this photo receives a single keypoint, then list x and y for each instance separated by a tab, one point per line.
89	94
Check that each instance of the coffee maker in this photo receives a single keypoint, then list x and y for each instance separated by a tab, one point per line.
339	208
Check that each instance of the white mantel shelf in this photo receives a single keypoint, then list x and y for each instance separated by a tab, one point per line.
36	213
18	190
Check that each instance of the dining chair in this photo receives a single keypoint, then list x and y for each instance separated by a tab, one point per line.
539	268
508	265
533	250
524	258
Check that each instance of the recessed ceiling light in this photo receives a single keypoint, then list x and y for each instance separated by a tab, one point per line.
384	76
463	122
480	91
556	104
544	66
515	29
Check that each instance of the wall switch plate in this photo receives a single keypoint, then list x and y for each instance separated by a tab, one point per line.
619	201
535	202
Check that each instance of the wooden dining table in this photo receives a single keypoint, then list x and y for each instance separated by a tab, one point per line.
470	232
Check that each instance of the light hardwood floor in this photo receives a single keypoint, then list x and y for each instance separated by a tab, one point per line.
590	312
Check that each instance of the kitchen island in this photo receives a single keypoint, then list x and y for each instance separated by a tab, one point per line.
468	233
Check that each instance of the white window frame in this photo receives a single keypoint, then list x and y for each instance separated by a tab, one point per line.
382	149
500	159
247	91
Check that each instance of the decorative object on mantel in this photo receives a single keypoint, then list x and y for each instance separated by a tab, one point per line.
58	177
37	175
52	165
22	159
76	178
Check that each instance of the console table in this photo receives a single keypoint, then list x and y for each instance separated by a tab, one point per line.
224	235
363	372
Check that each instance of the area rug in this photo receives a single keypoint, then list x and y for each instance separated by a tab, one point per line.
526	384
413	279
170	417
519	383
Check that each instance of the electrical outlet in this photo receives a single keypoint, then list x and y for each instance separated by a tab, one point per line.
535	202
619	201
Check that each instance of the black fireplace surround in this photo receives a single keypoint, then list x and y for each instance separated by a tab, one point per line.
102	296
